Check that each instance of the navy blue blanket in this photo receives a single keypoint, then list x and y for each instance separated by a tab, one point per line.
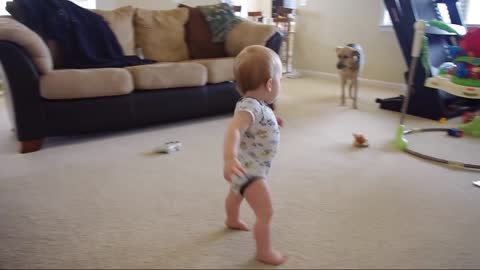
84	37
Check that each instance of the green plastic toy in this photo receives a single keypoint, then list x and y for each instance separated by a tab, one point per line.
445	26
400	141
472	128
425	57
469	60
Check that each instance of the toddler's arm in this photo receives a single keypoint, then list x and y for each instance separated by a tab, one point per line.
239	124
279	121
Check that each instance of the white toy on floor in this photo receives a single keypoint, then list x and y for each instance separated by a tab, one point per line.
169	147
476	183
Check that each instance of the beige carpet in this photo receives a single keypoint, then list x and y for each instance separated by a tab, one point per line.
103	202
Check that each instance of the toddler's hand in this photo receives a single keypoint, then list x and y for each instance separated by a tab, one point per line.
232	167
280	121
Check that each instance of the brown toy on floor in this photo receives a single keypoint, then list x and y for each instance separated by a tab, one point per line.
360	141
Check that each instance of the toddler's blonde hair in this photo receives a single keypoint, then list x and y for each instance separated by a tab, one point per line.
254	66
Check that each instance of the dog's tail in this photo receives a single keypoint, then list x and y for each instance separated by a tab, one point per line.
360	55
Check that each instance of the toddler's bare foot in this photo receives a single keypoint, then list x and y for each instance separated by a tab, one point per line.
273	258
237	225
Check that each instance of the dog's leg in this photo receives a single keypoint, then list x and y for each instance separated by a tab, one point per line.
350	94
344	83
355	92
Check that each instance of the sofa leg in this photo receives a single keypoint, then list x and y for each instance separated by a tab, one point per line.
31	146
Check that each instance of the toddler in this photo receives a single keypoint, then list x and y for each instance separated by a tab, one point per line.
251	142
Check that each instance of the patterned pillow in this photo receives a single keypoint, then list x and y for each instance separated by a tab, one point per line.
220	19
199	37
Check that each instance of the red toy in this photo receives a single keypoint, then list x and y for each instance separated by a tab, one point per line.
470	42
474	72
468	117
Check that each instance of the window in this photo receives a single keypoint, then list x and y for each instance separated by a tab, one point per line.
290	4
3	11
470	9
473	12
83	3
387	20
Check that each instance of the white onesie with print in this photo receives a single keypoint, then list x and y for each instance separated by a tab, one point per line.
258	145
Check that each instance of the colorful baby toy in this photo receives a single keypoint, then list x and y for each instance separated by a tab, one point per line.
465	68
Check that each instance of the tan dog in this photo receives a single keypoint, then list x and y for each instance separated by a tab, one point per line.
350	64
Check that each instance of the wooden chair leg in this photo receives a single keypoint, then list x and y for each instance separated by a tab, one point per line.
31	146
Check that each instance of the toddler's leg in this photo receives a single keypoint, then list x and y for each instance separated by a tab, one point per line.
258	196
232	207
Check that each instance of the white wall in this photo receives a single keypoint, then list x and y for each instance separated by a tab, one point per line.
265	6
106	4
325	24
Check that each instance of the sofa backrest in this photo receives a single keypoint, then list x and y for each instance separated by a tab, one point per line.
164	35
158	33
120	21
248	33
161	34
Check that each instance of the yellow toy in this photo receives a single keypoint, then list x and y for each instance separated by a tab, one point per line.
442	120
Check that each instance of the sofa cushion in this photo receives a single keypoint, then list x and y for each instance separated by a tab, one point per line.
199	37
85	83
248	33
30	41
161	34
219	69
168	75
120	21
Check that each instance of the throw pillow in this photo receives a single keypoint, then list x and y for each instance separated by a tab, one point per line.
199	37
161	34
220	19
120	21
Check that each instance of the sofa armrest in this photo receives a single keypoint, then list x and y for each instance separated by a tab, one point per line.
29	41
249	33
275	42
23	96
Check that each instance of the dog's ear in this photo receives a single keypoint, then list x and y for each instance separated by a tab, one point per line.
338	49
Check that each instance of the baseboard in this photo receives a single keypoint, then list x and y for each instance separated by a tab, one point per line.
367	82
